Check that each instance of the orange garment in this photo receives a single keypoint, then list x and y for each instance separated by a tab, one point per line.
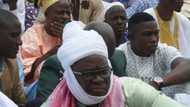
36	42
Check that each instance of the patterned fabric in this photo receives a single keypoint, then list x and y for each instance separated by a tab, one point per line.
137	6
36	42
31	14
146	68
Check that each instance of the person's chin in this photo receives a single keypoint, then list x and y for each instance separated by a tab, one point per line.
178	10
98	92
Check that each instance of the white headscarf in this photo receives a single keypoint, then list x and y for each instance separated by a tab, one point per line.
79	44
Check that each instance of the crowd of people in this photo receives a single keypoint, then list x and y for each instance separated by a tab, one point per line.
94	53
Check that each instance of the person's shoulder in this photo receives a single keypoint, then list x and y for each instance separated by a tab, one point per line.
137	90
149	10
11	62
33	32
123	47
180	15
52	62
163	47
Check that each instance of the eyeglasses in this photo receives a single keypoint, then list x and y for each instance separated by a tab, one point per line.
103	72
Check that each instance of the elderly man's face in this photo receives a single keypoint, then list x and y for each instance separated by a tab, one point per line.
93	74
117	19
56	15
10	40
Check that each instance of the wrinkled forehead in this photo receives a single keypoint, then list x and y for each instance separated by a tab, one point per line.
114	10
90	62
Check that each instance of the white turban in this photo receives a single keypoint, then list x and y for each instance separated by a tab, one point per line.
107	6
79	44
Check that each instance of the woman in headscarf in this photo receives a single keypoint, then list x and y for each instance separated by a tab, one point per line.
89	81
43	39
83	10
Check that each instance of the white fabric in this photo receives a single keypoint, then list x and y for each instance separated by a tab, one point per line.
186	8
183	99
6	102
19	11
146	68
108	5
77	45
184	32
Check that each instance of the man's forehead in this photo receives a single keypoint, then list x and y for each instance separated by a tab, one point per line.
146	24
90	62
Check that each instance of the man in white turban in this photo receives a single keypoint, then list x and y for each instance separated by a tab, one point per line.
88	78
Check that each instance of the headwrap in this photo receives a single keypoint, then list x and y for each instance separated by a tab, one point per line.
107	6
79	44
44	4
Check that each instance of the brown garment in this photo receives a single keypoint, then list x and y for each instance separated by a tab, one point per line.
10	83
93	13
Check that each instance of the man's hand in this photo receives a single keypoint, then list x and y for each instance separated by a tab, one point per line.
155	85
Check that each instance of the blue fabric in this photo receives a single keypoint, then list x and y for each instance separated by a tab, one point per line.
20	69
139	6
136	6
30	90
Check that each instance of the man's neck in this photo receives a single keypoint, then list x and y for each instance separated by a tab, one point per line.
164	13
120	39
137	52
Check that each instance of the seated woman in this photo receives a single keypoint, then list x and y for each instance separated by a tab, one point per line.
89	81
43	39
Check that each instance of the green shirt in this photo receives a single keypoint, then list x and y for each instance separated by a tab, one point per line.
140	94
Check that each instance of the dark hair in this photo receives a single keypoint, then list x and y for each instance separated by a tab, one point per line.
139	18
7	18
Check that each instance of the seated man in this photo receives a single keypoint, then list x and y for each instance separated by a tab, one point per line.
174	27
10	30
53	68
151	61
89	81
116	17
